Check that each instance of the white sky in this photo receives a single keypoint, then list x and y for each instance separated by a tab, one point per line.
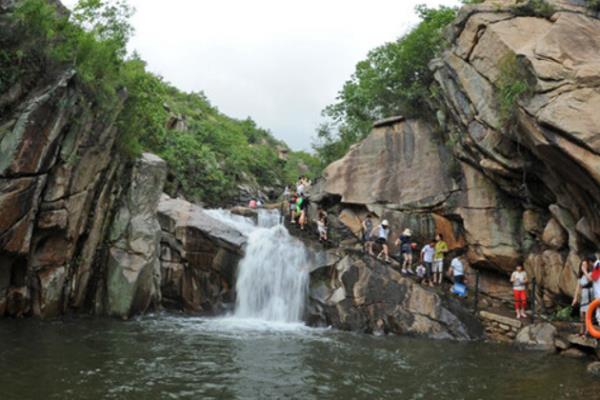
278	61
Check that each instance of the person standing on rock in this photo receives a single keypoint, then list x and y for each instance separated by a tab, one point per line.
519	281
596	280
440	250
427	253
292	203
367	227
457	270
382	233
322	225
405	250
302	207
584	292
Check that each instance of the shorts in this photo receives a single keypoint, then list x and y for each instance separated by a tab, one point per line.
459	279
438	266
406	249
322	230
381	241
428	271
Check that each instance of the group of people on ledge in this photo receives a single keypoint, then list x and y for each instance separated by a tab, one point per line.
588	288
431	257
430	268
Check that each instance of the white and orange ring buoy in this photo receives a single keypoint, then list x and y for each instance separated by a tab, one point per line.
589	319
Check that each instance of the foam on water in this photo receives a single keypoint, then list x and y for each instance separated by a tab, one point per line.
272	278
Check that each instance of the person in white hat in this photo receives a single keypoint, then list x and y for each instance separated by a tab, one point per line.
382	233
406	250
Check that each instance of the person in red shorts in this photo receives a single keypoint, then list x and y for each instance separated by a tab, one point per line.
519	282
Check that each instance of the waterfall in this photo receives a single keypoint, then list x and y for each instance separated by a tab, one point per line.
272	277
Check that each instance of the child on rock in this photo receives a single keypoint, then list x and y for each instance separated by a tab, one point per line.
519	281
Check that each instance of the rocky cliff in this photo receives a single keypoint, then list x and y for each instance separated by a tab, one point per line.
505	181
79	223
358	293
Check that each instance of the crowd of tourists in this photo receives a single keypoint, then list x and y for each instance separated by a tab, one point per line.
432	256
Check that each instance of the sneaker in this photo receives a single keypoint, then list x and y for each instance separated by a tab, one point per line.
403	271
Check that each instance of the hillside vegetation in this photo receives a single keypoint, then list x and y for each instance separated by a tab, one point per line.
209	154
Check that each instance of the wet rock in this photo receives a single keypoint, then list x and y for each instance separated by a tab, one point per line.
207	253
245	212
594	368
538	336
573	353
583	341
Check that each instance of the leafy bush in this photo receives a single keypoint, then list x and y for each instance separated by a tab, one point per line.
593	5
534	8
394	79
513	85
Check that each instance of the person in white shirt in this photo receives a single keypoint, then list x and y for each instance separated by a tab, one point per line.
382	233
427	253
519	281
457	269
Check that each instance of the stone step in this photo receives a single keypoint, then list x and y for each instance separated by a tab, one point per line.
583	341
501	319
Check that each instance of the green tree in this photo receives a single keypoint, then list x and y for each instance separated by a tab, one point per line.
394	79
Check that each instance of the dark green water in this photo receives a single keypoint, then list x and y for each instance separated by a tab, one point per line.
170	357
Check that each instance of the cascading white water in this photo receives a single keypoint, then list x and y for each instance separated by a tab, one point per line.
272	278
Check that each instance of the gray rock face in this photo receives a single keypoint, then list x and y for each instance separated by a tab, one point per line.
537	336
133	270
367	296
199	258
59	181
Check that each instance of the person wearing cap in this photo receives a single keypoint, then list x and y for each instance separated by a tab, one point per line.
405	250
382	233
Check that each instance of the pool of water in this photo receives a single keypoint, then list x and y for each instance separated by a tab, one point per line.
177	357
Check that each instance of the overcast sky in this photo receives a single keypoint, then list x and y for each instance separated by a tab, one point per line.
278	61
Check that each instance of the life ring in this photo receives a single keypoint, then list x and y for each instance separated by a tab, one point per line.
589	318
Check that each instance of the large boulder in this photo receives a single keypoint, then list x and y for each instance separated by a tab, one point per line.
199	258
538	336
133	270
360	294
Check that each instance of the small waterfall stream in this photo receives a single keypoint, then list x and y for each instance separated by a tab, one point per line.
272	279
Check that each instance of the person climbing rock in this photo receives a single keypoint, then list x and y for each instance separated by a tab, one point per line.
440	250
367	227
457	270
322	225
404	241
427	253
302	209
584	292
292	206
382	233
519	282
